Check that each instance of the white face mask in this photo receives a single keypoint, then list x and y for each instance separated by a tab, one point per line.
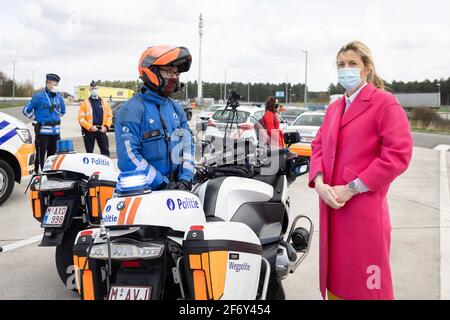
54	89
94	93
350	78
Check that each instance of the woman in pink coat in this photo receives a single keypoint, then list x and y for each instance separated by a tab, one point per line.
365	143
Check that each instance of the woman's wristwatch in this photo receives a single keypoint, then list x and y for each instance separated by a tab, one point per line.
353	187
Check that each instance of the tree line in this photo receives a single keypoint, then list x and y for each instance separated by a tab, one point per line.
258	91
23	89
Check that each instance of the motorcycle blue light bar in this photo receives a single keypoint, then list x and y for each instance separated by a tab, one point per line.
64	146
132	181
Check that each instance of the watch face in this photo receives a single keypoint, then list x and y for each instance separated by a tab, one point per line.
353	187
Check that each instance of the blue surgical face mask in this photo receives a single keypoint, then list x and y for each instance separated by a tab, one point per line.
350	78
94	93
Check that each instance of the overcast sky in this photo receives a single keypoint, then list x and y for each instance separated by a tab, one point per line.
256	40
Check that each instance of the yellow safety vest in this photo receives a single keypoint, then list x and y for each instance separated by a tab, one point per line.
86	117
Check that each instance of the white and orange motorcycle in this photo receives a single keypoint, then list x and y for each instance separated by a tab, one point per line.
67	197
228	239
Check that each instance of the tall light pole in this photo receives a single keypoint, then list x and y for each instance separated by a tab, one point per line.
248	94
200	81
225	87
306	77
287	88
14	80
32	80
439	90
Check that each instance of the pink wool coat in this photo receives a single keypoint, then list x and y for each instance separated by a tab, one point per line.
371	141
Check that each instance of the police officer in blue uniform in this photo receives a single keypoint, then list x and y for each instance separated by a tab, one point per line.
46	108
152	132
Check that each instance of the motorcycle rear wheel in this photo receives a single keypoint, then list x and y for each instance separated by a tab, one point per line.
64	256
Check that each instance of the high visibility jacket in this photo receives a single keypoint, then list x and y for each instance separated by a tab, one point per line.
86	118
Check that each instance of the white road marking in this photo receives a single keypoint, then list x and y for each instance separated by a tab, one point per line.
20	244
445	223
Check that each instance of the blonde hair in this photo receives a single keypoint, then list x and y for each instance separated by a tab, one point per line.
366	56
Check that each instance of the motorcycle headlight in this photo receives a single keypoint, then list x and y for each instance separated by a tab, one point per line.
125	251
25	135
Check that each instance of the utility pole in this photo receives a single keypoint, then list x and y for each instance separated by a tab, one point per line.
187	91
248	95
287	89
306	77
439	90
14	80
200	81
225	97
32	80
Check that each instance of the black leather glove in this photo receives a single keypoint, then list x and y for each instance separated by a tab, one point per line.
180	185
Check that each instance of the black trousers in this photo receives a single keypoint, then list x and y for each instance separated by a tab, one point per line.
101	138
45	147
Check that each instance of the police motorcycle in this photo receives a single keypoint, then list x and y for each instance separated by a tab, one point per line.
227	240
68	196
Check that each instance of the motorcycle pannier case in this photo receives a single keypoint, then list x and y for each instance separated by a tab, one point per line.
37	198
222	261
100	190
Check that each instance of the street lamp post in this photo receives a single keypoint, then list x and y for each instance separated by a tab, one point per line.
200	81
14	80
306	77
287	89
225	87
32	80
439	90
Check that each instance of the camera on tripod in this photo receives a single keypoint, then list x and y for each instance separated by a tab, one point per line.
234	99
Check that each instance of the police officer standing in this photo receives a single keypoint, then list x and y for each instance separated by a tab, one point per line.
152	132
95	118
46	108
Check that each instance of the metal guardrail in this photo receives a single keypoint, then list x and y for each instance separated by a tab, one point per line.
444	115
5	100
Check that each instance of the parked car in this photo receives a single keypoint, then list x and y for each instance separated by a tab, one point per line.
115	107
307	125
290	115
248	116
209	112
187	107
17	154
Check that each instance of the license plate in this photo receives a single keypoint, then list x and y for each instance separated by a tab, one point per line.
130	293
307	139
54	217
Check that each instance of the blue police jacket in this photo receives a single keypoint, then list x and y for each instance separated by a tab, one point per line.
46	108
153	135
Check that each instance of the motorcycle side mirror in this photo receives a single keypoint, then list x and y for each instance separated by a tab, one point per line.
296	167
291	138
